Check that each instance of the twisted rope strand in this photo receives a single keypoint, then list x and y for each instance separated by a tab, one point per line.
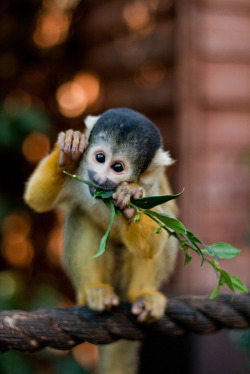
64	328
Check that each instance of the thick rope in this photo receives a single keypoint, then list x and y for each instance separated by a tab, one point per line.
65	328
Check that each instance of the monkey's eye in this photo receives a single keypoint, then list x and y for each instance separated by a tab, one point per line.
117	167
100	157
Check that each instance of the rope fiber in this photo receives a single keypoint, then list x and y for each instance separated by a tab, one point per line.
65	328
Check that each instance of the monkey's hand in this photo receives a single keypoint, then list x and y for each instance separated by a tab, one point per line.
72	145
149	306
101	297
124	193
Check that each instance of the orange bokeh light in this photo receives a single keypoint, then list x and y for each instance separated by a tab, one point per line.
18	255
52	28
90	84
55	246
75	96
136	15
16	248
72	99
18	223
35	146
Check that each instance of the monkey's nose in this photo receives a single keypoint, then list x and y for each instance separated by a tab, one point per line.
100	179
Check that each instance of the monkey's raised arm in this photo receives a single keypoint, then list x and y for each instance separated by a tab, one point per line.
46	182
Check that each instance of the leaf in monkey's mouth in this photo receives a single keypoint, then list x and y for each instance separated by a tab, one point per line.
92	191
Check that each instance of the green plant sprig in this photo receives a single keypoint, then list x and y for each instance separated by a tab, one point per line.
211	254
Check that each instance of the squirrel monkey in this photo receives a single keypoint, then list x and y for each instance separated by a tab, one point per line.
120	150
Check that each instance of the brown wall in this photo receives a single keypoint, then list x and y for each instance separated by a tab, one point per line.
213	79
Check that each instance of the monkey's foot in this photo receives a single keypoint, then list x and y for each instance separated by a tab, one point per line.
100	297
149	306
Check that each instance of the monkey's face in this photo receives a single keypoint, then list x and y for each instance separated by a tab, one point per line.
105	169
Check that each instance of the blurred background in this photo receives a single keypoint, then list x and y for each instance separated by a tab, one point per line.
183	63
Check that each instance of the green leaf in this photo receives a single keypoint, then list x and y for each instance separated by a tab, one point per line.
225	278
137	217
105	237
213	264
158	230
215	292
152	201
195	248
79	179
192	237
104	194
118	212
209	251
238	284
167	221
223	250
188	258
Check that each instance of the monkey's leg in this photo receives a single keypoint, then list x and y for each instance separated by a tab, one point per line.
92	277
144	277
119	358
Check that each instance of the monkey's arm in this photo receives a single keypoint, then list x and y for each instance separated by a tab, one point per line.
46	182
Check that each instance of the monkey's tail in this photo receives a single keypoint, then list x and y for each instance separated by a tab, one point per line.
121	357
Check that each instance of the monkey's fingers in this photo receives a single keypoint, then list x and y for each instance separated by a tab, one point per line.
68	141
75	142
129	213
125	198
138	193
61	140
119	190
126	195
83	143
125	192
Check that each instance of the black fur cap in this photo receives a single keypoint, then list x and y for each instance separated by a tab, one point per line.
128	132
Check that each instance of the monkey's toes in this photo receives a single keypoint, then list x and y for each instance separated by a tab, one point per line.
149	307
101	297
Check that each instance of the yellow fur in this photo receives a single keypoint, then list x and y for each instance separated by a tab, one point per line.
136	260
45	183
140	239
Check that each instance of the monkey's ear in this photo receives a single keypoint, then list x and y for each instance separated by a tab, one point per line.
162	158
90	122
157	165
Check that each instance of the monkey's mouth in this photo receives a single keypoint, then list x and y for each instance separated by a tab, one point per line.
92	191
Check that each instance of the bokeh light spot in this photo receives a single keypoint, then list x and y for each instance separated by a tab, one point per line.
136	15
35	146
75	96
52	28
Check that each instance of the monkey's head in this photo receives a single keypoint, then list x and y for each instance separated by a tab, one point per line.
123	146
